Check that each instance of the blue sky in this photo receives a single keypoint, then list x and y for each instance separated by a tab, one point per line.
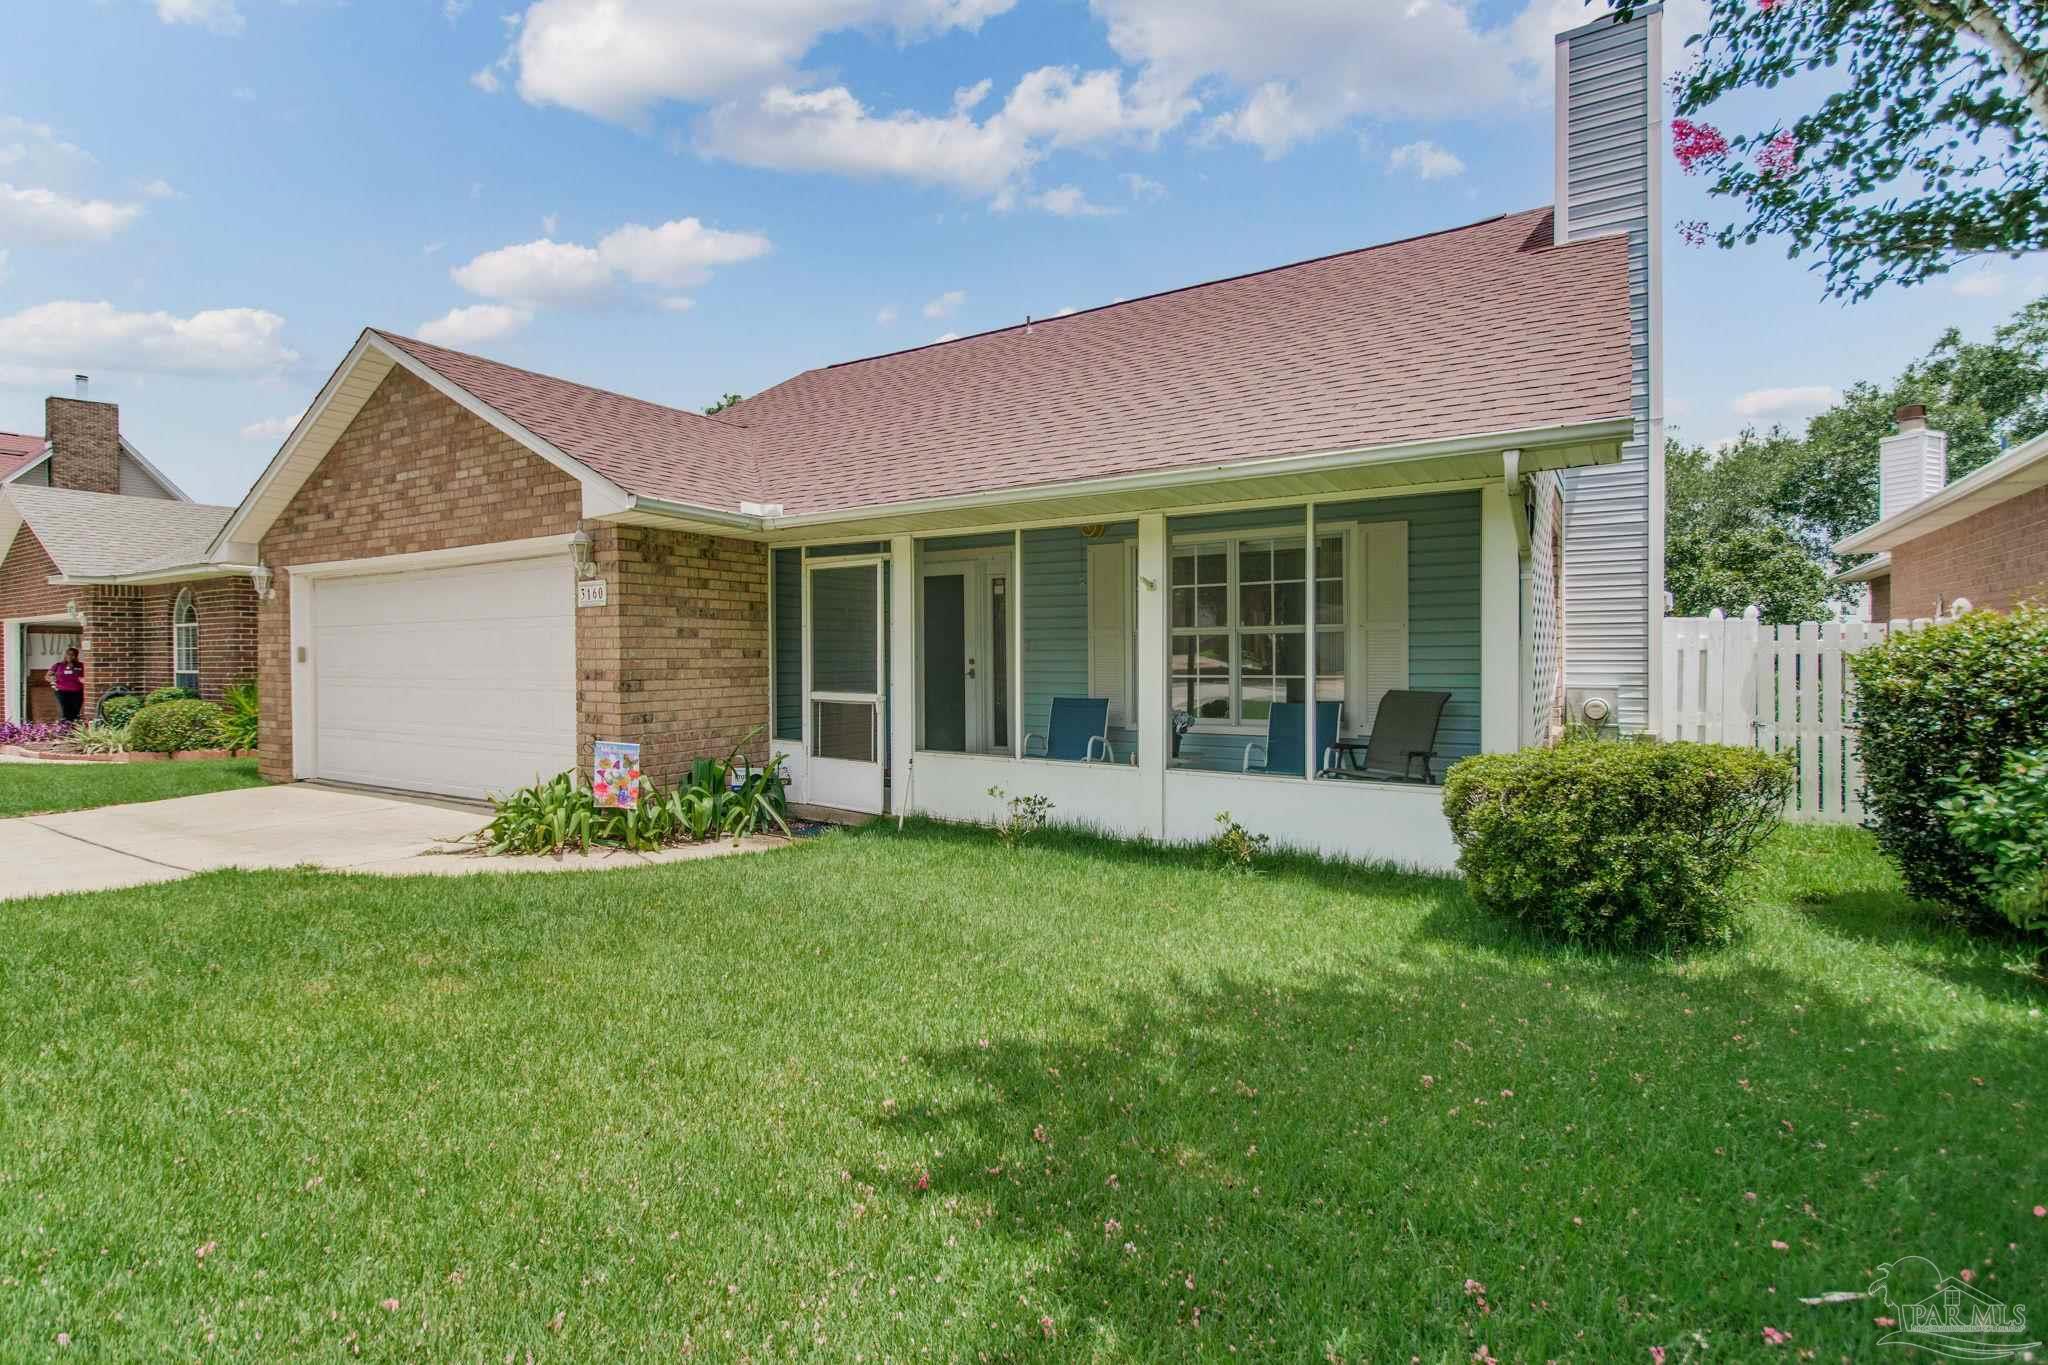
203	201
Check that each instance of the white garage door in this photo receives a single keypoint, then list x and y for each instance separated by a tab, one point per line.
460	681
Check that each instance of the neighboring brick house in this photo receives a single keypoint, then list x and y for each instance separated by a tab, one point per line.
101	553
1982	539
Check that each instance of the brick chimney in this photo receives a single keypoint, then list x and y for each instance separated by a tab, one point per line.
85	443
1912	465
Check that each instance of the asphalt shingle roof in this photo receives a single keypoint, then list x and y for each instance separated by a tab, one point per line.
105	535
1481	329
17	450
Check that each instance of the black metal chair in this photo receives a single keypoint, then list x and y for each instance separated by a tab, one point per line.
1404	734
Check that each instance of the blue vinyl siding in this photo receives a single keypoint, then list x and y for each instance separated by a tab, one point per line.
1055	609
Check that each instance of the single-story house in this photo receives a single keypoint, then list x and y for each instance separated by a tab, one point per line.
1433	465
1982	539
100	552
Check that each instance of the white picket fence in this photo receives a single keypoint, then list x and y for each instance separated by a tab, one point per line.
1787	689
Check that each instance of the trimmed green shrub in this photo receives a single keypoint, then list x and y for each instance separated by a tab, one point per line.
1936	707
173	725
164	694
2005	824
118	711
1625	844
241	717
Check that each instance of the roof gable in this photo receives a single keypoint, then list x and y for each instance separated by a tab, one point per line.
108	535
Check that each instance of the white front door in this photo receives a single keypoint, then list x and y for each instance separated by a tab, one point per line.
458	681
843	685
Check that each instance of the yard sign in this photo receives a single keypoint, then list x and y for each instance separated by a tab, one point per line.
615	777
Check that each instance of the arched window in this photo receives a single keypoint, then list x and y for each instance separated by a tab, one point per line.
185	642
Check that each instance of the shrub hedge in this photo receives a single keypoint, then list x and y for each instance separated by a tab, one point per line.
118	711
173	725
164	694
1624	844
1937	708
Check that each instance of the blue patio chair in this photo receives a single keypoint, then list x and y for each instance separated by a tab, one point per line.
1078	729
1280	752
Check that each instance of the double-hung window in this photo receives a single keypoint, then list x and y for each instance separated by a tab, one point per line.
185	643
1240	627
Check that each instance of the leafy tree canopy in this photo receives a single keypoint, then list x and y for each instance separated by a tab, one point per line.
1932	148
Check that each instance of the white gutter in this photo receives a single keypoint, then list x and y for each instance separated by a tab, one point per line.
1355	457
2026	464
174	574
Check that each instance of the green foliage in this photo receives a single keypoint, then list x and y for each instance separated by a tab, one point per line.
722	404
1947	704
2005	823
1026	815
723	798
1932	149
1236	847
164	694
241	717
119	710
1755	566
101	738
1629	844
169	726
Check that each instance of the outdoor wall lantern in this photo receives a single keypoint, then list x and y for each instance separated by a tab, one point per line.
580	550
259	579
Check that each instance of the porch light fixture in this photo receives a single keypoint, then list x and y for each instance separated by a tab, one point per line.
71	610
580	551
259	579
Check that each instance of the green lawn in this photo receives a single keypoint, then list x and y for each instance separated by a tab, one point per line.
41	788
881	1092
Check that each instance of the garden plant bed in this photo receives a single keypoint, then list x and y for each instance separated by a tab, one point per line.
877	1092
59	754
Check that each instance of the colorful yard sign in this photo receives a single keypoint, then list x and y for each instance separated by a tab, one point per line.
615	777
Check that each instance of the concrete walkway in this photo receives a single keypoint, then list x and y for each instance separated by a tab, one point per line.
257	827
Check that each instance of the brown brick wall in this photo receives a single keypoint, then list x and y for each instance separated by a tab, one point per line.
85	440
413	472
25	590
1881	599
1997	558
677	661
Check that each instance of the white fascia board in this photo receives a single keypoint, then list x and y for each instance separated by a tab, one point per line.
37	463
1315	462
1878	566
601	497
2025	467
177	573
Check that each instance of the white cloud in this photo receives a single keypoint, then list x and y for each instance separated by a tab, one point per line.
40	215
1143	186
219	15
272	428
1068	201
476	323
831	131
618	58
28	147
1064	107
1981	284
452	10
485	80
886	315
58	338
1064	311
945	337
678	303
1798	401
1426	160
159	189
536	272
432	248
946	304
676	255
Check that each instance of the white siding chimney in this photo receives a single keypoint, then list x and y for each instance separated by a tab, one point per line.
1912	466
1610	154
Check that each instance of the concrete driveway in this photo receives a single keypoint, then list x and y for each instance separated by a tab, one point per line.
258	827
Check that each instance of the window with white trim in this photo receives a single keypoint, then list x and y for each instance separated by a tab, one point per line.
1238	619
185	643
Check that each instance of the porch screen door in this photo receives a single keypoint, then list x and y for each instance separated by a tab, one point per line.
843	684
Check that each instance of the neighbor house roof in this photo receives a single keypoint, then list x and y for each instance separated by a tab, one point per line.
107	535
2020	470
1483	329
18	452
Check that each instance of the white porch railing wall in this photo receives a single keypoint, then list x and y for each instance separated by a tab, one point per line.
1785	689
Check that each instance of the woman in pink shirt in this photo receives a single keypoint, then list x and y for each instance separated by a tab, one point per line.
67	679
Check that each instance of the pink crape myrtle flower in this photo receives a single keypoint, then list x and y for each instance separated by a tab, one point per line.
1696	143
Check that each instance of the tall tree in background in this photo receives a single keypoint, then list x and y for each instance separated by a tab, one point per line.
1754	522
1934	150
